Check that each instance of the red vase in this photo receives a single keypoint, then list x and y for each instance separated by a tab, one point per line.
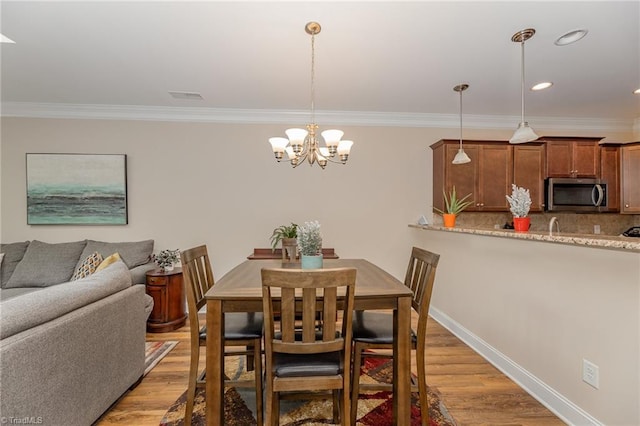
521	224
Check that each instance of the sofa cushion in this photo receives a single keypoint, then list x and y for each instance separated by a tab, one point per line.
133	253
46	264
24	312
13	254
88	266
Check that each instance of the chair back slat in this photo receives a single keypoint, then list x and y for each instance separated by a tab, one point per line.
420	277
312	295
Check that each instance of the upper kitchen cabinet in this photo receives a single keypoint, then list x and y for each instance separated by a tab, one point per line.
610	171
572	157
487	177
630	178
528	172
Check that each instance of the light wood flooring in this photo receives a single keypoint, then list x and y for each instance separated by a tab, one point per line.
474	391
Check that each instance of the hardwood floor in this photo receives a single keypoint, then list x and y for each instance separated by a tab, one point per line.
474	391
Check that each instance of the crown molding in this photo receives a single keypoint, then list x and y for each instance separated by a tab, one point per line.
261	116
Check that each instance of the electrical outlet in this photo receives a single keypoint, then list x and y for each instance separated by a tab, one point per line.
590	373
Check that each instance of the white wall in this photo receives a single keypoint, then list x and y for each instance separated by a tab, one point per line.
218	184
547	307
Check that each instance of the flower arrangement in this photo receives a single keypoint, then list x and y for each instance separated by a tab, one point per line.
309	238
452	203
166	258
519	201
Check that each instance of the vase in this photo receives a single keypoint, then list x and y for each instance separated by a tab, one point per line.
521	224
311	262
289	250
449	220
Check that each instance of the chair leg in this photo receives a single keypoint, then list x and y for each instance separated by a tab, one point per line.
336	406
355	382
257	367
250	358
276	409
191	390
422	385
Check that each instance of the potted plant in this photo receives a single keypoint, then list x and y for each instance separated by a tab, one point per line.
286	234
310	245
166	259
519	204
454	206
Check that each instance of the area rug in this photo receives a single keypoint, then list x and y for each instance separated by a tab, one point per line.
374	408
154	352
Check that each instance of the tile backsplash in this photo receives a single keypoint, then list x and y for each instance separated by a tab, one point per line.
574	223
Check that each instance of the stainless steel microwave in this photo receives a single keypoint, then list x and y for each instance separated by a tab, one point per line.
575	195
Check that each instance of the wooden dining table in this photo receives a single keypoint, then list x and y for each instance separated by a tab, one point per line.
240	290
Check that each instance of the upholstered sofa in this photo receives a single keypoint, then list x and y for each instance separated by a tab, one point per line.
70	348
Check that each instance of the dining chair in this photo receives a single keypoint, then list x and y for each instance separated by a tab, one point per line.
303	358
240	330
374	331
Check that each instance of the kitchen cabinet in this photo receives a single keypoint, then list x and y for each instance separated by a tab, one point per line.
610	171
572	157
528	172
630	178
487	177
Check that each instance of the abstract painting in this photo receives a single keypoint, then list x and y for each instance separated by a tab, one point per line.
76	189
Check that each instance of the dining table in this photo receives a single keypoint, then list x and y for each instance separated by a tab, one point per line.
240	290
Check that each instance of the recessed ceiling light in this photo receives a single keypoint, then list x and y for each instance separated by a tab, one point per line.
5	39
187	95
542	86
637	91
570	37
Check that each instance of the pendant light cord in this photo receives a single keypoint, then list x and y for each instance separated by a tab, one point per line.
522	82
460	119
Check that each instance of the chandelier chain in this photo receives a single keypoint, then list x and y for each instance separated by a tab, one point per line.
313	78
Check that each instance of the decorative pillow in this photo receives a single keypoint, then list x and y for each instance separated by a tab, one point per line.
115	257
88	266
13	253
133	254
46	264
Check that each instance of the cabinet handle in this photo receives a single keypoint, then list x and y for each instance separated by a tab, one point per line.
626	206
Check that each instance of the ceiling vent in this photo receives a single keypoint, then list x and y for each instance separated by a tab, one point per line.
187	95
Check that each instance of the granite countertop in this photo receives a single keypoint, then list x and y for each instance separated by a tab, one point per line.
612	242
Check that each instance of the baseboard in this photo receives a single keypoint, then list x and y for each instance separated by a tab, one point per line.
566	410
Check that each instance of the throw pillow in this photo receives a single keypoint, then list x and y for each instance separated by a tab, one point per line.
133	253
13	254
46	264
88	266
115	257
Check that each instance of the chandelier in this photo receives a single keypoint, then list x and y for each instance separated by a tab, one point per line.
301	144
523	133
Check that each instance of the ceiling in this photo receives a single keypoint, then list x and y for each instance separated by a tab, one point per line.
375	61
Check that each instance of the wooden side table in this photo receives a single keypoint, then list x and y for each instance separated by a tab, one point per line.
169	309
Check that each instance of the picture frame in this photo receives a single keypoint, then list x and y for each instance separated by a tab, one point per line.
76	189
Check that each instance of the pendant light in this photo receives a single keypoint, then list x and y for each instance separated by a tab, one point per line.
523	133
461	157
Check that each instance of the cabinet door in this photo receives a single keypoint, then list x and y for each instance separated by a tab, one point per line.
586	159
610	171
528	172
462	176
494	177
159	294
559	161
630	179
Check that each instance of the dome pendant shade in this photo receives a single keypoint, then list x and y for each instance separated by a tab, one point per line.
523	133
461	157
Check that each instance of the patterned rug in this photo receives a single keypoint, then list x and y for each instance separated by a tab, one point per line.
154	352
374	408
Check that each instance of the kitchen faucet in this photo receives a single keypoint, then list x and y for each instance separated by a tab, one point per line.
551	222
